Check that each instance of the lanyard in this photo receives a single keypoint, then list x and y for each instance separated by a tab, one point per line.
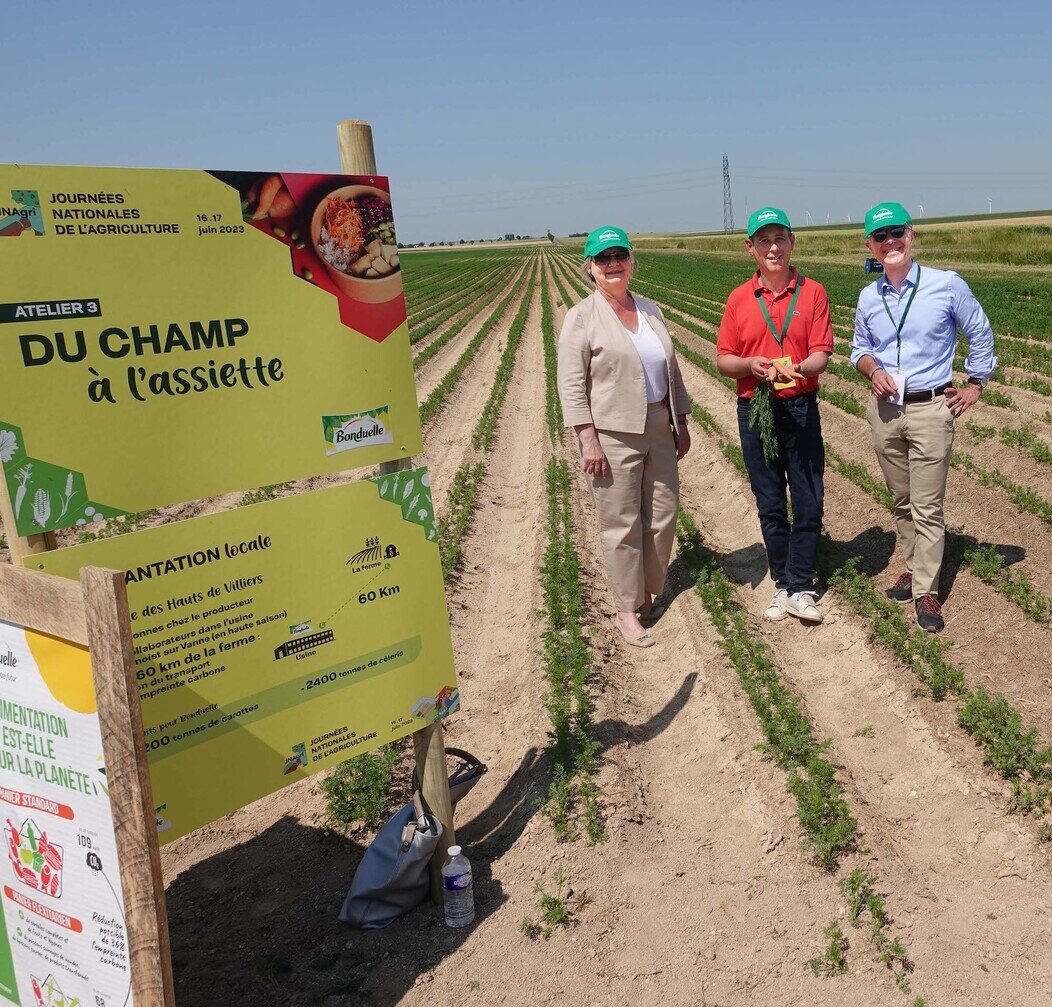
779	336
902	320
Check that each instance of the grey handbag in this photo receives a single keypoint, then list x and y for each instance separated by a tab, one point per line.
392	877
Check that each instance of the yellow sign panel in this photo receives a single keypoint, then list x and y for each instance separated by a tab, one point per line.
170	335
277	639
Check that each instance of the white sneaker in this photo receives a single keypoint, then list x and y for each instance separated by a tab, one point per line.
802	605
779	607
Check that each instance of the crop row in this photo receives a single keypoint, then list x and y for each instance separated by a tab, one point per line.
464	488
471	294
457	327
552	406
461	294
1024	439
431	405
430	276
422	284
568	664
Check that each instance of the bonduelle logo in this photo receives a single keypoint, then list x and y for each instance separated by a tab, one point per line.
768	215
881	214
356	430
8	660
609	236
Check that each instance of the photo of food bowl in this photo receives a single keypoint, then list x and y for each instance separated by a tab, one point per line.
352	230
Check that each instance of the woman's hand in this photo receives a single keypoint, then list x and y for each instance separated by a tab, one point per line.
682	440
593	457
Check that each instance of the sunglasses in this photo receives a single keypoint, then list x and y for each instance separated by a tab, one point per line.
617	255
888	232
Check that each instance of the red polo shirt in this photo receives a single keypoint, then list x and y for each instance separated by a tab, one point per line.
744	332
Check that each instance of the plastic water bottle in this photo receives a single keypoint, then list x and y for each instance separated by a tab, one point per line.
457	895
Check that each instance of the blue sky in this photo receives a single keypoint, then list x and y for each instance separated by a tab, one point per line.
492	118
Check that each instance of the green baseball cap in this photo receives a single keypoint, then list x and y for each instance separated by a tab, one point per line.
767	215
886	215
603	238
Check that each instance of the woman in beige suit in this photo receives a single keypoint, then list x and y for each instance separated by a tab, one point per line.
622	392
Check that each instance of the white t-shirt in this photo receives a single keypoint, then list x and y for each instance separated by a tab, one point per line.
652	355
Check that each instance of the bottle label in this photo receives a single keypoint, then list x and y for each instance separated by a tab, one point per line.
456	882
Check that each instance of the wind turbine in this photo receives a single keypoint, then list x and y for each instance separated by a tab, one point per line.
808	219
921	207
989	204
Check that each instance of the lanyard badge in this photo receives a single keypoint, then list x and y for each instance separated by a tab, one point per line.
780	336
902	320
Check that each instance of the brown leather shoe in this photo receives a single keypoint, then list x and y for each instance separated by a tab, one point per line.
929	614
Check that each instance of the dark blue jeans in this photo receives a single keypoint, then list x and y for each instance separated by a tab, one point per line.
791	549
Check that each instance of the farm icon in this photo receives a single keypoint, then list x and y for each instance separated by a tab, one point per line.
366	558
36	860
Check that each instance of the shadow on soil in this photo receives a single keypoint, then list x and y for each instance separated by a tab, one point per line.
272	936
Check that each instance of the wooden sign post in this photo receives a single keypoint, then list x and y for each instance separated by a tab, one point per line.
358	157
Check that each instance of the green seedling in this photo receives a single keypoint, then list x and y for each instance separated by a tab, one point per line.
833	960
552	910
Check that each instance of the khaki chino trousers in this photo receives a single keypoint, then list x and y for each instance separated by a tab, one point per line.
636	506
913	444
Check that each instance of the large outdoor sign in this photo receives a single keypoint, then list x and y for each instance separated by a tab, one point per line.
277	639
63	935
170	335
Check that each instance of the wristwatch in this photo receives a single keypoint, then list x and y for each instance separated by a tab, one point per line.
980	382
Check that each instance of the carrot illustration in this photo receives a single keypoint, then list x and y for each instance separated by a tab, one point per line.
23	477
267	192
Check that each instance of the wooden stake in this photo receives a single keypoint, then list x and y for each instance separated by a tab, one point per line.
128	778
358	157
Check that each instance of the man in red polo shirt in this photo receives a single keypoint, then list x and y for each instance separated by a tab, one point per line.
781	318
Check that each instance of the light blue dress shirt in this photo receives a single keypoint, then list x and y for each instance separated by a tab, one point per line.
943	304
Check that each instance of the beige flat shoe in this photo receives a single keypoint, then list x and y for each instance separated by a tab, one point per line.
643	640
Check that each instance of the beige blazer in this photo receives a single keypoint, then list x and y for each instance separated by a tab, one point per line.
600	374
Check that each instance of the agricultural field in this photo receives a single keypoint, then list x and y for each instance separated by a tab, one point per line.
745	815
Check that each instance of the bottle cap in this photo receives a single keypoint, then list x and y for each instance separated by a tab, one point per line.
454	851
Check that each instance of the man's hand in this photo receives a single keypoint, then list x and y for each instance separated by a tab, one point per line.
960	400
759	367
882	385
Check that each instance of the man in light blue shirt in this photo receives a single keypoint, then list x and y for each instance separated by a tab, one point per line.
905	339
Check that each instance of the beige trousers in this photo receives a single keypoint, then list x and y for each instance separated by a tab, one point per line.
913	444
636	504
